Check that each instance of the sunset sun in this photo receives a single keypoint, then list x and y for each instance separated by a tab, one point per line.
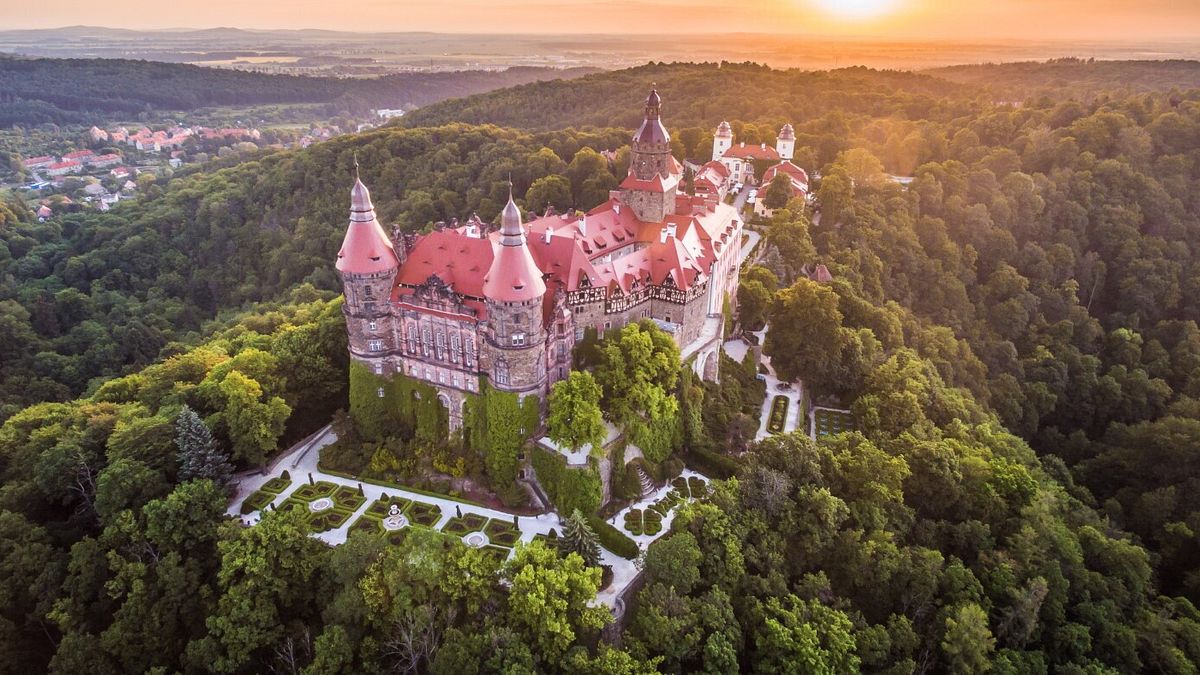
857	9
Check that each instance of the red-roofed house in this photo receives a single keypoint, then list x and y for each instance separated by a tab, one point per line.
739	159
101	161
81	156
797	176
63	168
39	162
461	306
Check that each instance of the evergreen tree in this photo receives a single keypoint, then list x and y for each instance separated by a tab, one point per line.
578	537
199	456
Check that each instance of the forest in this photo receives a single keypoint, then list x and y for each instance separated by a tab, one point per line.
77	91
1016	332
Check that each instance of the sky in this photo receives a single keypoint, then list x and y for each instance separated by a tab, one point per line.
1134	20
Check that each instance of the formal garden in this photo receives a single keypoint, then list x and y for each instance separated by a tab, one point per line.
649	520
779	410
831	422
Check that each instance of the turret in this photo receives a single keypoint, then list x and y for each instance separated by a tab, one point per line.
368	264
785	143
514	289
722	140
650	187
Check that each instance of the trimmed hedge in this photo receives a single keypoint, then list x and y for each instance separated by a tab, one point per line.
276	485
471	522
713	464
406	488
652	522
612	539
257	501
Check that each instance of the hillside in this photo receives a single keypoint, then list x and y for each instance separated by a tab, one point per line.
1074	77
79	90
1015	334
702	94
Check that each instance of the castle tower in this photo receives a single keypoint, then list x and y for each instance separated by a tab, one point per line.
368	264
785	143
514	290
650	187
722	140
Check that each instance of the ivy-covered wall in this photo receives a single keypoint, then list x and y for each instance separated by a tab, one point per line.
569	488
497	424
408	408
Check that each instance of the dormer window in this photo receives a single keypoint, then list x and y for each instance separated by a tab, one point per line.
518	339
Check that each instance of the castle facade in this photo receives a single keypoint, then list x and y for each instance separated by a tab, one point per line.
461	304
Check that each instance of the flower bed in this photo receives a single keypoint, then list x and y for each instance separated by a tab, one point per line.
366	523
502	532
347	497
382	506
328	520
424	514
257	501
830	422
472	522
652	522
633	521
779	406
698	487
276	485
314	491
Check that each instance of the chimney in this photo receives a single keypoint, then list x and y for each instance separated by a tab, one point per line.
546	236
763	146
583	224
617	208
662	236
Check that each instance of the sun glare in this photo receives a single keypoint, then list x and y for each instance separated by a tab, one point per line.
856	9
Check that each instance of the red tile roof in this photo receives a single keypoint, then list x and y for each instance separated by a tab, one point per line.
366	249
743	151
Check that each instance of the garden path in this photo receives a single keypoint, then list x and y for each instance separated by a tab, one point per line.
301	461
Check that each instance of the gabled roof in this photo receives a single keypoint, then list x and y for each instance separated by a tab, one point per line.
743	151
460	260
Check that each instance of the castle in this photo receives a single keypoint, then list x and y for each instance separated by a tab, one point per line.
460	304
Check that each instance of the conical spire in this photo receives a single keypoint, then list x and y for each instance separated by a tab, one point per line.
366	248
513	276
652	131
511	233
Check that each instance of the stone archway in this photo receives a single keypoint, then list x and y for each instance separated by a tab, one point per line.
710	365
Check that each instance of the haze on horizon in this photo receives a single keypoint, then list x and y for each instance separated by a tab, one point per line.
1100	20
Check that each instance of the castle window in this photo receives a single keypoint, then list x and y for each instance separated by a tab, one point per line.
378	368
457	383
455	347
375	345
379	392
367	291
441	377
372	326
412	339
429	374
501	372
518	339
